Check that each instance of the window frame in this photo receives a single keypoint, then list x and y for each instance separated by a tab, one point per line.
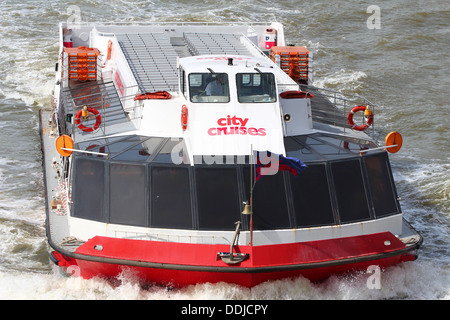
272	91
204	84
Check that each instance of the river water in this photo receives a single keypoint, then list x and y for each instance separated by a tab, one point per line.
397	59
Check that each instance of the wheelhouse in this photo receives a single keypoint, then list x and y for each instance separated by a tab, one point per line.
241	80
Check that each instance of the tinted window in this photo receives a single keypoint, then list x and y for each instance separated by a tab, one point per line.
171	200
127	197
270	209
218	198
311	197
381	188
89	189
350	191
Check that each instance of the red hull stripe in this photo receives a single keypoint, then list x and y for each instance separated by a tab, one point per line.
187	254
181	264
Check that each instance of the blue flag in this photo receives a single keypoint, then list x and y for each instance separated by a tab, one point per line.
272	163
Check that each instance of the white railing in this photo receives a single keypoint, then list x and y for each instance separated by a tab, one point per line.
342	104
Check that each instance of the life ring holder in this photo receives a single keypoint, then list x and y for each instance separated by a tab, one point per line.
184	117
367	114
98	120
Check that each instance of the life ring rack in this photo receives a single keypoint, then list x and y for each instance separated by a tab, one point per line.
98	119
368	115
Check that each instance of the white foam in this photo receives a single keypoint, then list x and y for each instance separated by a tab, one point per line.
411	280
342	79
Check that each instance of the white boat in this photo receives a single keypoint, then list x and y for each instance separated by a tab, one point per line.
200	152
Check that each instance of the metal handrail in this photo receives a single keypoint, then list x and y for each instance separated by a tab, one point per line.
342	103
346	102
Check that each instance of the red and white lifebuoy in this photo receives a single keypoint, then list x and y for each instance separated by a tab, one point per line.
98	120
184	117
367	115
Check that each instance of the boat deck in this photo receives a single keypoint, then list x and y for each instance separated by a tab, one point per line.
324	111
152	57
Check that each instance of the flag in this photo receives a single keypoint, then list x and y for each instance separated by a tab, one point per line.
271	163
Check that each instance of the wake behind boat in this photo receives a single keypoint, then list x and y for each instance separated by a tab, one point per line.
188	153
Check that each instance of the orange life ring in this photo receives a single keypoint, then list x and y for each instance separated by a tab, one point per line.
391	139
367	113
65	142
98	120
153	95
184	117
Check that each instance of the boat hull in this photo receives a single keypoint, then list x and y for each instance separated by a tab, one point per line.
179	265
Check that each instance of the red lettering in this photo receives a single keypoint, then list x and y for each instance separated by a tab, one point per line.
252	131
243	121
222	122
234	125
119	83
236	130
219	130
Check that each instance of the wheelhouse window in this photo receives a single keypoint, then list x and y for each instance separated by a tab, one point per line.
209	87
256	87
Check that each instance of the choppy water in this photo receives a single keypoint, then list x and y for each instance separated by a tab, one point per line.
403	67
